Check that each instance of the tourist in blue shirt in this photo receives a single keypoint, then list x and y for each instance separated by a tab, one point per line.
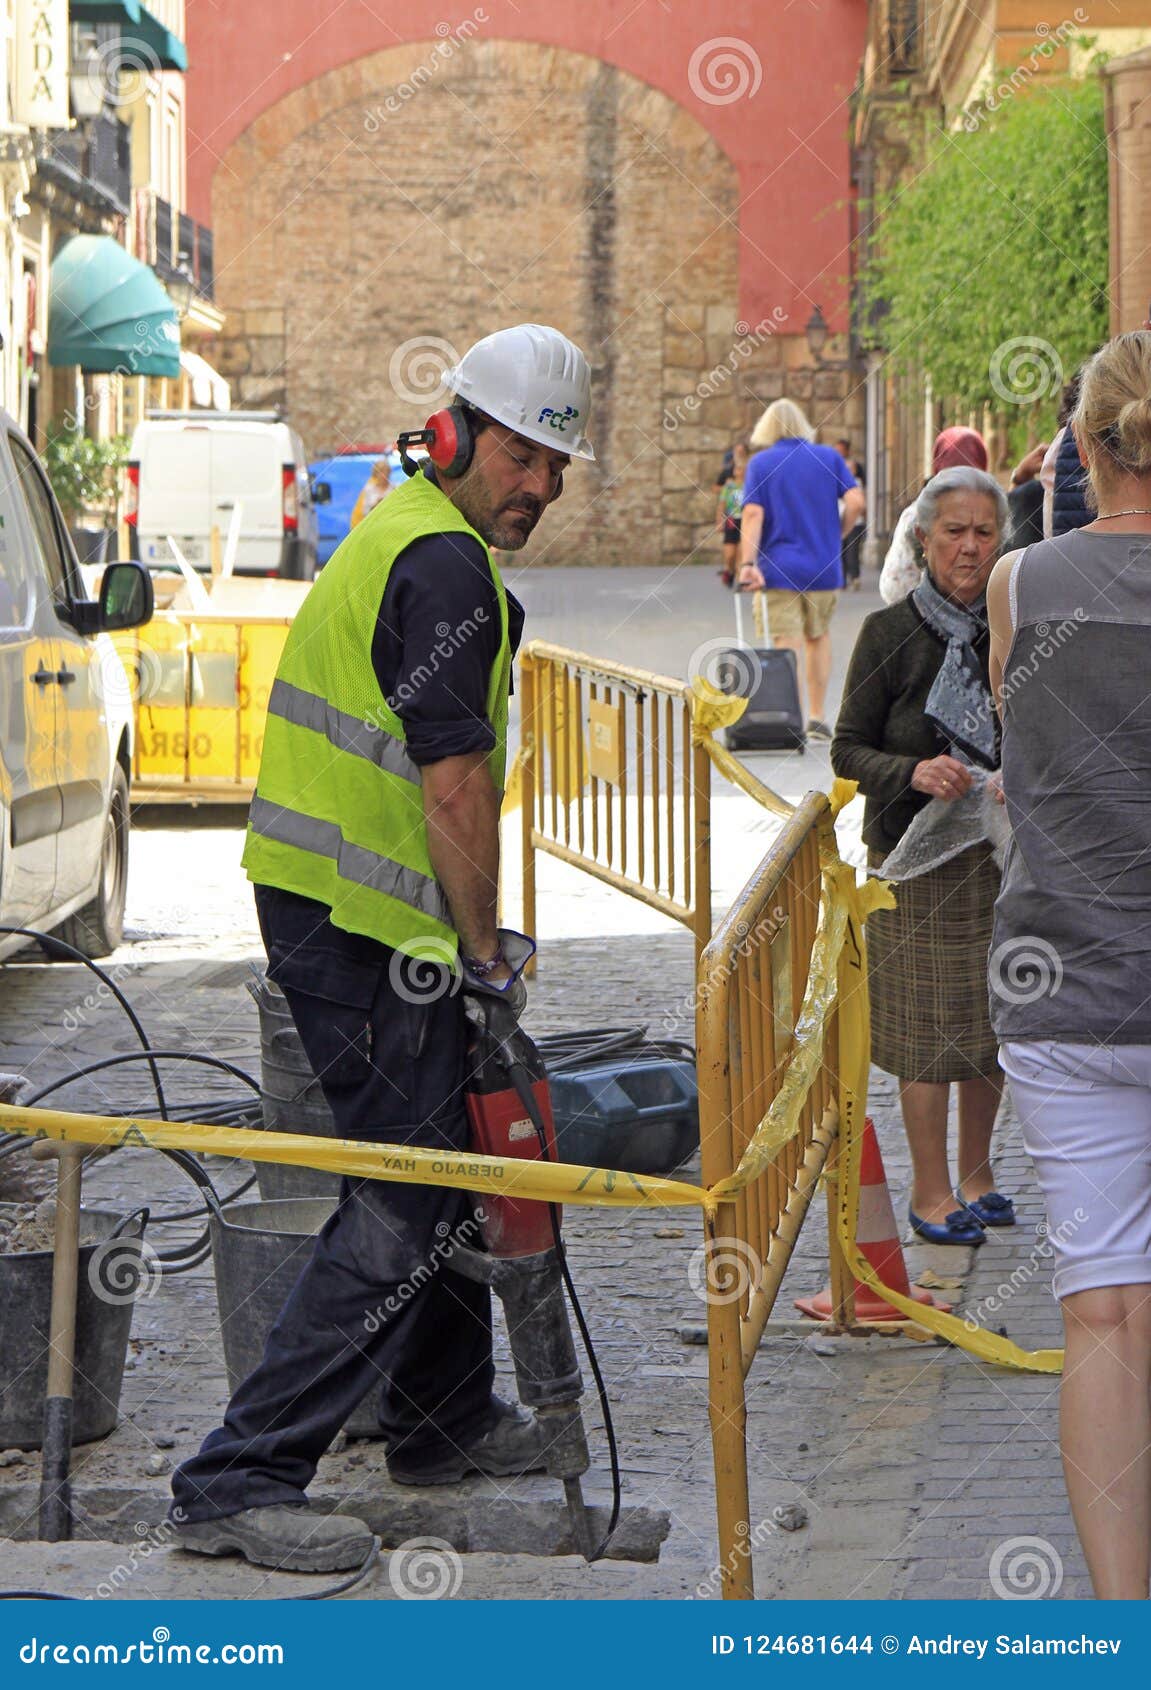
793	529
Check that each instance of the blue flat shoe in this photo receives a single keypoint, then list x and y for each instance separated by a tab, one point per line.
991	1209
959	1227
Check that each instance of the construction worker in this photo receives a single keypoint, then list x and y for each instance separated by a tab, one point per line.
373	843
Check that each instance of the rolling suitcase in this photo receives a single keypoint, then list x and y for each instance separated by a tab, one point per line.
769	679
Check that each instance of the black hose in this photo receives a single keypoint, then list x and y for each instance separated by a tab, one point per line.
51	943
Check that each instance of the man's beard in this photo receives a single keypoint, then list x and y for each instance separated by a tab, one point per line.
507	529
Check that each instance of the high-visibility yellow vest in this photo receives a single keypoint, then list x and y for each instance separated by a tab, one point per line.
338	812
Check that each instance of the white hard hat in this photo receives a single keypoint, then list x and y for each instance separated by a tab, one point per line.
533	379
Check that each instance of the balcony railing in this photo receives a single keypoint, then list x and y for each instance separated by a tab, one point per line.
93	161
174	244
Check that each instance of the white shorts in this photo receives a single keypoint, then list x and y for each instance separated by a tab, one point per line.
1085	1111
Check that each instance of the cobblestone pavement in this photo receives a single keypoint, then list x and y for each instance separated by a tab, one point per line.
912	1462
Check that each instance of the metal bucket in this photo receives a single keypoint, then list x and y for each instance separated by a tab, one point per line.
291	1098
259	1251
104	1299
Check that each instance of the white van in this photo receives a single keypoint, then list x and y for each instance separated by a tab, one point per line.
189	470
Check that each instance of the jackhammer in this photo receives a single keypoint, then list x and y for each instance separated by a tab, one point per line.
509	1110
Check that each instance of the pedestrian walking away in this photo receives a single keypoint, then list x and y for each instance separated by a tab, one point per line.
917	730
373	845
853	538
729	511
902	570
1070	970
791	545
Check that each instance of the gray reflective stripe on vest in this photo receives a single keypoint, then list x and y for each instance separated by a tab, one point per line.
354	863
347	733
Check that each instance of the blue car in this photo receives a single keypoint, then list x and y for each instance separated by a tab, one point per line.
345	475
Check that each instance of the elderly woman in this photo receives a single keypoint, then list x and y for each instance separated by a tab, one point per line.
917	726
1071	964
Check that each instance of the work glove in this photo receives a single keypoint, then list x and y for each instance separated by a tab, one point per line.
517	950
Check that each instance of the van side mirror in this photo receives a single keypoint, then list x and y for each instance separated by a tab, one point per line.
126	597
126	601
321	492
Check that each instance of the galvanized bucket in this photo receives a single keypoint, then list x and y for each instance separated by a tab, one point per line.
111	1271
259	1251
291	1098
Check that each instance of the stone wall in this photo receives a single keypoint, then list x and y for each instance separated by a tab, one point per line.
375	222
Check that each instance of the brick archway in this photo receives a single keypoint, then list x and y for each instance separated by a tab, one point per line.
362	235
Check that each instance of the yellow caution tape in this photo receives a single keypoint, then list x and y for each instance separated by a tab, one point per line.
855	1062
549	1182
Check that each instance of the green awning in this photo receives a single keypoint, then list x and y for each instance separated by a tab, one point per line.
139	28
107	311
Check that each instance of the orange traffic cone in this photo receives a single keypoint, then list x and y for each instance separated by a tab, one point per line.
878	1240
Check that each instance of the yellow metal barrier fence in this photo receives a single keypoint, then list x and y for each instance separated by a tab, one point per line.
615	780
754	978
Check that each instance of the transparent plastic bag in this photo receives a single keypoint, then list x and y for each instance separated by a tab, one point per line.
946	827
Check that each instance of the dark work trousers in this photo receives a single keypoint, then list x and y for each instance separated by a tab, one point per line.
374	1307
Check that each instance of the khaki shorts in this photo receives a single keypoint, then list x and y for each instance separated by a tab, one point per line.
797	616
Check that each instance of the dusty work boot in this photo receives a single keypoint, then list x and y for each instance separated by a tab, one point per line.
512	1446
288	1536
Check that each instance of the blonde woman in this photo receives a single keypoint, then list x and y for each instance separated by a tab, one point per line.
1070	958
792	540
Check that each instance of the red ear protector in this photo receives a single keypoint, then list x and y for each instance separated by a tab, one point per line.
449	439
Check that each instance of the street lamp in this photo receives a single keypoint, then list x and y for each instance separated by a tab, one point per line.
86	81
816	332
182	291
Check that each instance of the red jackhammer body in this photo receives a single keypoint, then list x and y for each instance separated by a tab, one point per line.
509	1109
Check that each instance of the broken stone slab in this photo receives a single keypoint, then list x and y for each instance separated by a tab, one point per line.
479	1523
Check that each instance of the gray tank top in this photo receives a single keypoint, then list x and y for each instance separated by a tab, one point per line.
1071	947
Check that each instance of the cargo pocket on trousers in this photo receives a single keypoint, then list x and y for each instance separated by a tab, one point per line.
331	998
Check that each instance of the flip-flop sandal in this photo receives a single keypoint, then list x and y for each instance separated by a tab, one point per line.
991	1209
957	1228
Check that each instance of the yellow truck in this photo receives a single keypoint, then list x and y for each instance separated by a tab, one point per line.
200	674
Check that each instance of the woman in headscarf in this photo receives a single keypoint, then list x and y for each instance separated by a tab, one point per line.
903	566
917	728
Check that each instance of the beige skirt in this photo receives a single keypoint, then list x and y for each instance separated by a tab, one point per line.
927	971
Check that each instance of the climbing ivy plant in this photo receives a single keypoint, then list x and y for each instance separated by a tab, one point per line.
990	266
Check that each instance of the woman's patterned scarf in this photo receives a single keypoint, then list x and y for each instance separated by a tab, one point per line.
960	702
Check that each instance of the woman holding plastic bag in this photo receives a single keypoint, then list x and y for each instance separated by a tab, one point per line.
919	733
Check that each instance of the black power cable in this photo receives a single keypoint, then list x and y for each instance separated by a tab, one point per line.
51	943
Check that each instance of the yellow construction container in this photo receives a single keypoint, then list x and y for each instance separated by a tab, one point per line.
200	679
